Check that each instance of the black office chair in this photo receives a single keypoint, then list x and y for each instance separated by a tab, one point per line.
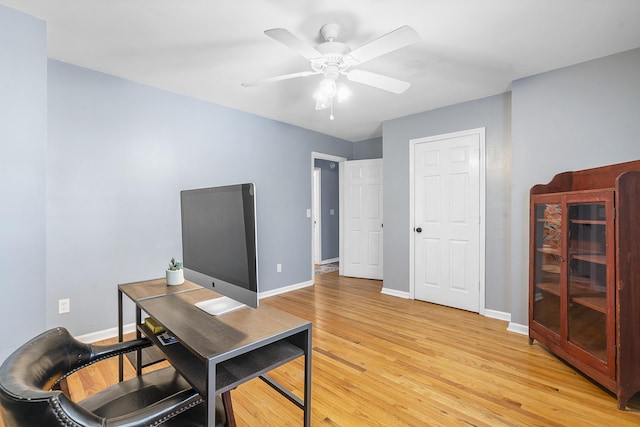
29	378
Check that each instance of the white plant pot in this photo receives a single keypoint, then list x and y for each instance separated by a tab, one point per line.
175	277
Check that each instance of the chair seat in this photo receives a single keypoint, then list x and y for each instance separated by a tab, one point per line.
141	391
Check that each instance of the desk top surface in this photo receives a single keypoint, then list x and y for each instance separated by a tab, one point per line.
207	336
138	291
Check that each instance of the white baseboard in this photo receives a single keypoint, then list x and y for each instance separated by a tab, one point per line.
518	328
329	261
105	334
286	289
511	327
395	293
493	314
500	315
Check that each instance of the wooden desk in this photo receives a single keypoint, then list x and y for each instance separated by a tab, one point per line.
218	353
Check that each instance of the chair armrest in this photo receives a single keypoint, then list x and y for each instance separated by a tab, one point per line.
88	354
105	351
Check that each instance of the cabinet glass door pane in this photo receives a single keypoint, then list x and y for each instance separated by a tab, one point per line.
547	264
587	277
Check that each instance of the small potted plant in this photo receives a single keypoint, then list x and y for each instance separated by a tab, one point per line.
175	275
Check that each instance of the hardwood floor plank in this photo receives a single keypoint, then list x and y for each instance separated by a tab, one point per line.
380	360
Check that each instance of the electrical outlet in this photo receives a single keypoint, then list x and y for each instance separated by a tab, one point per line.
64	306
278	268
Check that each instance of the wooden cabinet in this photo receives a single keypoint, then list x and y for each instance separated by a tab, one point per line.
584	276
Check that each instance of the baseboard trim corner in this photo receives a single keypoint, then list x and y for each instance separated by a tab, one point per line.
518	328
500	315
395	293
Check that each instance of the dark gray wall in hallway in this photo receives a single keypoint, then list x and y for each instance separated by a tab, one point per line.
329	201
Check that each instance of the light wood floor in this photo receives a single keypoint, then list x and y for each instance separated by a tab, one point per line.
385	361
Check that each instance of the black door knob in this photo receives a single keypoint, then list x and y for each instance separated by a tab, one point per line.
419	230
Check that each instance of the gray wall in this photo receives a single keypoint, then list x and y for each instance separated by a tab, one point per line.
367	149
23	138
574	118
118	155
329	199
492	113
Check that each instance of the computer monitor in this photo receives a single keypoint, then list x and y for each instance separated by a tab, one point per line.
219	244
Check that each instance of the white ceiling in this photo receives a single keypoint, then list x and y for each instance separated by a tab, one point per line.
205	49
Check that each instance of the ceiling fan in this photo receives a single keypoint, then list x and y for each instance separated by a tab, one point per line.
333	59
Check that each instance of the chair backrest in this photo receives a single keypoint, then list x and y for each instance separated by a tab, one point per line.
29	373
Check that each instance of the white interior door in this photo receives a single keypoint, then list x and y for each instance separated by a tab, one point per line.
361	189
446	202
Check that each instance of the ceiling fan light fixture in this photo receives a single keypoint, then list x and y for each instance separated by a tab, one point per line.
343	92
327	88
319	96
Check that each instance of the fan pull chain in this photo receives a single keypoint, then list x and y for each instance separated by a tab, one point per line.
331	116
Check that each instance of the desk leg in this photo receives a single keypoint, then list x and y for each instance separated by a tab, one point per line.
211	393
307	380
120	337
138	336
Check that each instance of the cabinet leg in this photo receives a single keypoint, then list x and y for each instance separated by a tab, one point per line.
228	409
623	400
530	341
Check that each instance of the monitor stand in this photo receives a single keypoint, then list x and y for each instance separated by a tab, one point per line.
218	306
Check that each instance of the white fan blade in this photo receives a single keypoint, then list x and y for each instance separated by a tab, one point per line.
378	80
283	77
389	42
291	41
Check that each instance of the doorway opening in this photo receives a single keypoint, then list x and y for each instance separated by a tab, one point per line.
325	221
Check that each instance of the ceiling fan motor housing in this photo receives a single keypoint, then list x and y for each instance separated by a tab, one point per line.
330	31
333	53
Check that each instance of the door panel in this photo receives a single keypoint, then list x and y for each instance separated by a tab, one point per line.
363	236
446	217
